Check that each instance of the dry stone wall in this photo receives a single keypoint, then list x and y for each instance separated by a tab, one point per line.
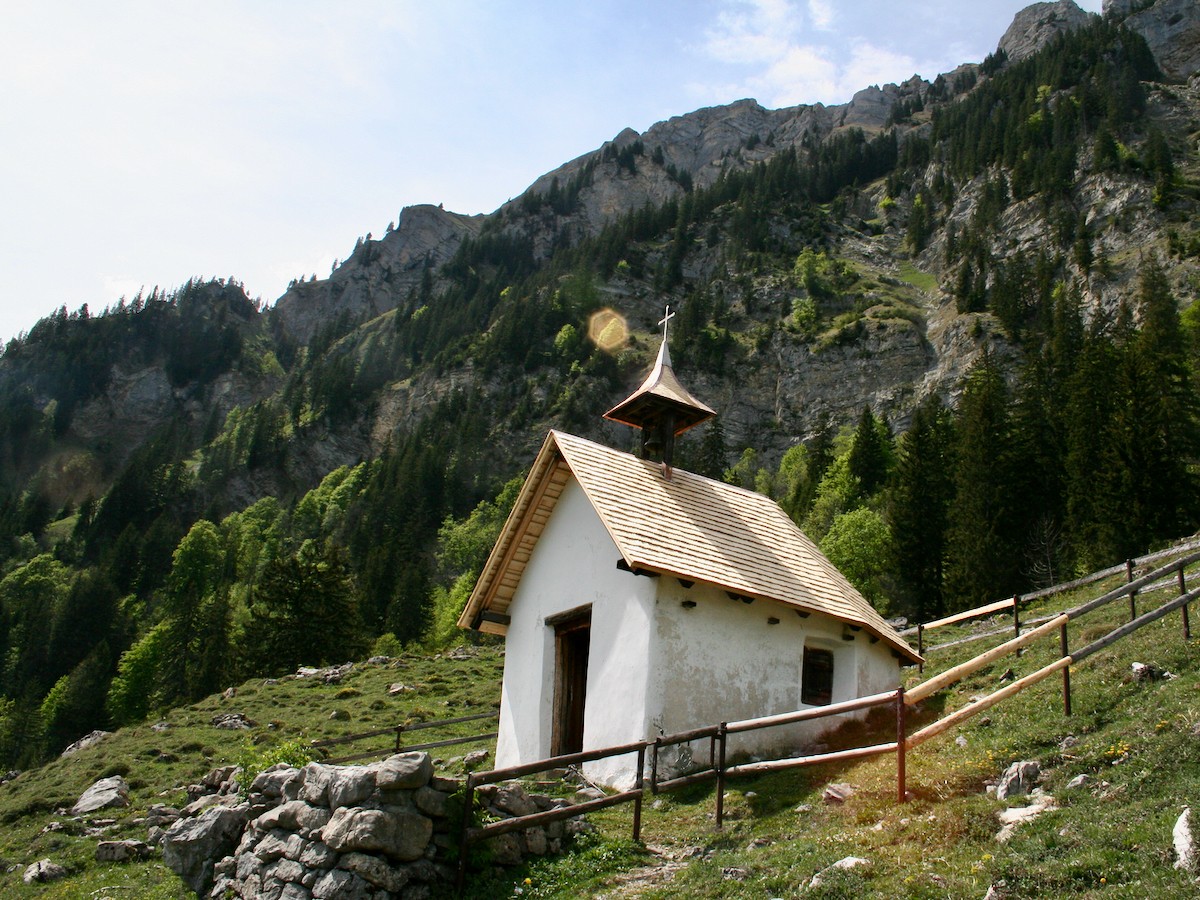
375	832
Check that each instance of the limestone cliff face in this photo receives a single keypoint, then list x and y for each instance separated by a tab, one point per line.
1172	31
1035	26
777	387
380	273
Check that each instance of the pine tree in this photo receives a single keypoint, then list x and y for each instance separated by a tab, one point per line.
1163	436
871	453
981	562
918	506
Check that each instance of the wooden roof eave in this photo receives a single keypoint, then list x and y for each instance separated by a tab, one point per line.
515	526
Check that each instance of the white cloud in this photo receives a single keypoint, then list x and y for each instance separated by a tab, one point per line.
752	31
788	56
822	14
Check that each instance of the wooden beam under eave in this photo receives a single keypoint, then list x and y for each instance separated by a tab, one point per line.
541	495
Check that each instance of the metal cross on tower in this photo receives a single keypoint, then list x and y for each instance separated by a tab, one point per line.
667	317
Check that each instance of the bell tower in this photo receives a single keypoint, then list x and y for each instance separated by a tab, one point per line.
661	408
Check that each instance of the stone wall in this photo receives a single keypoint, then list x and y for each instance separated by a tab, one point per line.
375	832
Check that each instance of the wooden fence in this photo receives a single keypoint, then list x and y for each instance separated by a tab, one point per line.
399	731
1012	605
719	770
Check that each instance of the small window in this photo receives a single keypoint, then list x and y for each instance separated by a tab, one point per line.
816	685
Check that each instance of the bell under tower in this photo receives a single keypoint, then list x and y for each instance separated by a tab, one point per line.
661	408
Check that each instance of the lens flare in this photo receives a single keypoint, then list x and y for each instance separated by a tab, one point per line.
607	330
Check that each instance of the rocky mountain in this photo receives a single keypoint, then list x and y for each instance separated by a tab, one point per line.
827	265
893	362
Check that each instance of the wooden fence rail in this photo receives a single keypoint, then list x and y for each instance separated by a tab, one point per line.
1129	590
399	730
469	835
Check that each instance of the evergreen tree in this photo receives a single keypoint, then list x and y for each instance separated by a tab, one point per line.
981	562
1161	434
304	611
871	453
918	506
1094	472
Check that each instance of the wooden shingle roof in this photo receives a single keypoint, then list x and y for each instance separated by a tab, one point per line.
689	527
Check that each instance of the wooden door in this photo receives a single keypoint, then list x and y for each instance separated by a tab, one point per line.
572	642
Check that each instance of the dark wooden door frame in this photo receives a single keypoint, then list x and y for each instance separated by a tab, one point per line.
572	643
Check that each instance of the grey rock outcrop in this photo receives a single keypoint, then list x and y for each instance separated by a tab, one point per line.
105	793
1035	26
88	740
1171	29
1018	779
379	273
192	846
42	871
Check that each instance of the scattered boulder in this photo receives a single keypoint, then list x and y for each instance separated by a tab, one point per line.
232	721
88	740
1147	672
1018	779
1013	816
398	688
474	758
105	793
845	864
1185	844
340	715
838	793
42	871
122	851
329	674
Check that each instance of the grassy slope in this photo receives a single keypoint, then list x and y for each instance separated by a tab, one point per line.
1109	839
159	764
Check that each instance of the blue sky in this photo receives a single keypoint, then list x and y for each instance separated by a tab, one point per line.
148	142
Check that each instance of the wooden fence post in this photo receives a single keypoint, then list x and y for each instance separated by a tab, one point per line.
1187	626
468	805
921	647
654	765
1132	594
721	737
901	750
641	785
1062	642
1016	602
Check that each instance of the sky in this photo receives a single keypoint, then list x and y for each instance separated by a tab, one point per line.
144	143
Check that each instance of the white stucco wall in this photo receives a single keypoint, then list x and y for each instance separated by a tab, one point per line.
572	565
722	660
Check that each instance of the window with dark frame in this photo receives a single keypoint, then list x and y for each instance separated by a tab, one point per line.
816	678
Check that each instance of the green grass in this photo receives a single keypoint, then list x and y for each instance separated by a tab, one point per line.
158	765
1111	838
922	281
